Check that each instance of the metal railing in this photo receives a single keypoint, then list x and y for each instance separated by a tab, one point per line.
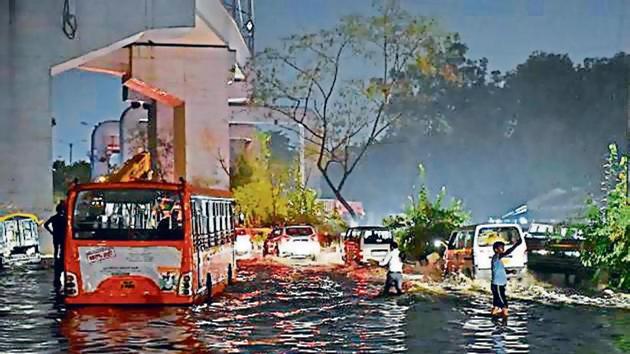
242	11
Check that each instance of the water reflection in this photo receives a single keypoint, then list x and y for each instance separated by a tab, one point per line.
122	329
486	334
277	308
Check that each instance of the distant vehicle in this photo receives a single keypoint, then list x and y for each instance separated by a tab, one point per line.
299	241
470	250
147	243
243	246
364	243
270	246
19	239
540	231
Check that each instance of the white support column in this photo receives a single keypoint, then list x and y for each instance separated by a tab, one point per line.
31	44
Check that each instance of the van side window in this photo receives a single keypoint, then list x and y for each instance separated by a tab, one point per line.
468	239
459	243
451	240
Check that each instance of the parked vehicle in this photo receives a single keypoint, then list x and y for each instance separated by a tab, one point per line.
19	239
147	243
470	251
243	246
299	242
362	244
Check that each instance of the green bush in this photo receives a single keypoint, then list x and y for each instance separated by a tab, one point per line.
607	225
425	220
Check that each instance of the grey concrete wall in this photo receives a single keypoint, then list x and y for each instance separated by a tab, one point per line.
31	45
200	76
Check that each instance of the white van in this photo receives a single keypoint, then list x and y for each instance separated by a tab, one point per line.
469	250
361	244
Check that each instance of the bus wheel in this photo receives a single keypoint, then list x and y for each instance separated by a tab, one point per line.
230	275
209	287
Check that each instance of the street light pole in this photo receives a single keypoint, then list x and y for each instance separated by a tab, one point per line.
70	153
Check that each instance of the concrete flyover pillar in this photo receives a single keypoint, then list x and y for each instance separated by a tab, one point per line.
33	45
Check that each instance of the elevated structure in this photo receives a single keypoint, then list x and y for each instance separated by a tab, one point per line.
37	43
183	57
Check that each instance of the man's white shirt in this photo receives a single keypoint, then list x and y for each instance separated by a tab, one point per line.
393	259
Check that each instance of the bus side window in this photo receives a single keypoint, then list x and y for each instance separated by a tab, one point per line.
195	221
217	218
223	222
214	223
209	223
229	217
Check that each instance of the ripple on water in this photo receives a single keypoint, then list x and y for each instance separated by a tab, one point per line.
284	309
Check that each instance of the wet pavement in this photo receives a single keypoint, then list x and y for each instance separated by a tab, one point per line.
279	308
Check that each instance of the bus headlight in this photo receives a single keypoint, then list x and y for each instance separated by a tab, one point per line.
70	284
185	284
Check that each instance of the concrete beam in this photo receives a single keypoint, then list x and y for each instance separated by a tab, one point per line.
32	46
216	17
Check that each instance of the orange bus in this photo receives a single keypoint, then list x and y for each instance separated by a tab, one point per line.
147	243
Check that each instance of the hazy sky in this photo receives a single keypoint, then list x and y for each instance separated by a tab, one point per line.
504	31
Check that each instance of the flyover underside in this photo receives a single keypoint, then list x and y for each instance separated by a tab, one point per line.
31	43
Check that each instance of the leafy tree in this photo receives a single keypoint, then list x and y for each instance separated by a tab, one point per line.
424	220
499	139
303	204
262	194
270	191
607	227
64	175
310	81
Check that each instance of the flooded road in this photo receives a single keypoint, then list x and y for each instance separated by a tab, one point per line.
300	309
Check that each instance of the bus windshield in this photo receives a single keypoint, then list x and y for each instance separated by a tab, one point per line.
128	214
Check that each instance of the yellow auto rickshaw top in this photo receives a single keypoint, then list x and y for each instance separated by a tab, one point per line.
11	216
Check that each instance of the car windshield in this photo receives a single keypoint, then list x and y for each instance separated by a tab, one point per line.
128	214
299	231
377	236
489	235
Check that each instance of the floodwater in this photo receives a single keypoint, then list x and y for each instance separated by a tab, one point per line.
300	309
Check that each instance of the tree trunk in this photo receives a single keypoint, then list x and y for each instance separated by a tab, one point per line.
345	203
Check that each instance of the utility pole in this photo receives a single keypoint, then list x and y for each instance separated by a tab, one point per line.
70	152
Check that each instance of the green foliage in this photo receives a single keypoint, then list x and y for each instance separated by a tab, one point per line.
261	190
64	175
607	227
270	192
308	82
303	206
425	220
537	126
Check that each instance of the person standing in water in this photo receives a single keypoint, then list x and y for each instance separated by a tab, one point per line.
394	271
499	278
58	231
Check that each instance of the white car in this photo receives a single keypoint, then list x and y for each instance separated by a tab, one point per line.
299	242
243	246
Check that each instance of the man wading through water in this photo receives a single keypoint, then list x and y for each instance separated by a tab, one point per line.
58	231
499	278
394	272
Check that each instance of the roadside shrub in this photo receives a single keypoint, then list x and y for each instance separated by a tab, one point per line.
424	220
